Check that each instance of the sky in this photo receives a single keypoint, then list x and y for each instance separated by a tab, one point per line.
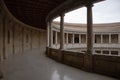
103	12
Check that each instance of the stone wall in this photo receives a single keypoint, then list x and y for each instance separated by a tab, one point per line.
73	58
103	64
109	65
17	37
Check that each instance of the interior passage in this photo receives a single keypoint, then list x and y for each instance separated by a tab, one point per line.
34	65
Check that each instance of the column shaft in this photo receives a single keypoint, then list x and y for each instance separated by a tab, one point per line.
89	29
66	38
73	39
109	38
62	32
50	34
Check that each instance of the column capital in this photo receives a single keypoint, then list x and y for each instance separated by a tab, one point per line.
62	14
89	5
50	21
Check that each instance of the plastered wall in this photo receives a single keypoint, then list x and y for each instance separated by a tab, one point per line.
16	38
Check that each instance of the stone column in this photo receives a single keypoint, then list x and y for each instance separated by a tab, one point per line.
109	38
89	29
4	30
50	34
50	37
101	51
62	32
88	64
73	39
66	38
61	37
109	52
13	38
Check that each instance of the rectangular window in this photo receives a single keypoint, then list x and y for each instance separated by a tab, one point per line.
83	38
69	38
105	52
65	38
114	38
105	38
76	38
114	52
97	38
98	51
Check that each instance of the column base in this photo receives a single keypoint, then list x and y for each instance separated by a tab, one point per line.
60	56
88	62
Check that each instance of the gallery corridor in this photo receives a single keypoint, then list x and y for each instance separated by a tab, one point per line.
34	65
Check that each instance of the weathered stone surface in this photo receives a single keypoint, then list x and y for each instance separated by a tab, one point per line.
108	65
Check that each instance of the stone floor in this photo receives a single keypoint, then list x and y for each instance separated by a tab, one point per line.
34	65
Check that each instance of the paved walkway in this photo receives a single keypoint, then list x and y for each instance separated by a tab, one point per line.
35	65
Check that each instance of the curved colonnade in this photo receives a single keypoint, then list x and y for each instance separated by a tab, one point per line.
17	37
105	41
87	60
106	48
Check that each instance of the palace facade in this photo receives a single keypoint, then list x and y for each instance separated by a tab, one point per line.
106	37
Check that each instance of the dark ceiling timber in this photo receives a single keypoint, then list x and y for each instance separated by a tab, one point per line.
37	12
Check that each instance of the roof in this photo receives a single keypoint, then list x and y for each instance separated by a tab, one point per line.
36	12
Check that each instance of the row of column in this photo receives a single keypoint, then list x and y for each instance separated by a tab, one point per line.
89	31
84	40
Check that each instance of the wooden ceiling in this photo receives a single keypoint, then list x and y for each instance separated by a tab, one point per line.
34	12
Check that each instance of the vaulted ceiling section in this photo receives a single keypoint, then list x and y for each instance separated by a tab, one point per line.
35	12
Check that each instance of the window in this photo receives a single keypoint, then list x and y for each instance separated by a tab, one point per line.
76	38
97	38
105	38
114	38
84	51
83	38
114	52
98	51
105	52
65	38
69	38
